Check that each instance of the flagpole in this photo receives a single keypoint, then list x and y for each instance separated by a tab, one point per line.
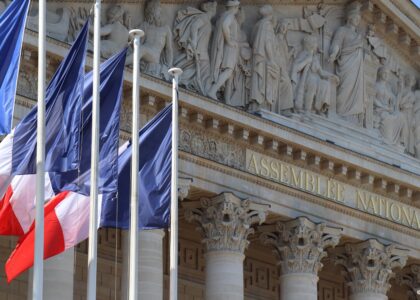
93	229
136	34
38	279
173	264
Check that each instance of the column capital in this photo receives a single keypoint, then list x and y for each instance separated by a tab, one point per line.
300	244
369	265
225	221
410	276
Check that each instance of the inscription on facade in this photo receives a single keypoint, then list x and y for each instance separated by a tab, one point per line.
331	189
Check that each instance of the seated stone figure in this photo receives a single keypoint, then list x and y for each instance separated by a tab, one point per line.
387	117
192	34
312	85
58	22
156	53
114	35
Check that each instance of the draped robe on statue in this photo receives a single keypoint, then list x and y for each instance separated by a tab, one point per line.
350	94
195	61
266	71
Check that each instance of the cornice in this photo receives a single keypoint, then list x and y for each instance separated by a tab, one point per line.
296	193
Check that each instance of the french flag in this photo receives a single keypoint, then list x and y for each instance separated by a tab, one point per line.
64	97
67	214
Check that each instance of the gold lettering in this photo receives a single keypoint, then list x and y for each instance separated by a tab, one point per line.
340	192
331	187
284	173
361	200
407	215
373	204
253	164
275	174
296	177
264	167
395	214
310	182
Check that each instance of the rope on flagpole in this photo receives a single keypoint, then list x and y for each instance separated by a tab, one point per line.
136	34
93	223
173	261
38	279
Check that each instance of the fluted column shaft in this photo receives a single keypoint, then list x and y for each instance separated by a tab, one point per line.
225	222
299	245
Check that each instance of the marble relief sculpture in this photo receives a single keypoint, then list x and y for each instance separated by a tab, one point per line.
114	35
387	117
58	22
266	69
312	84
285	104
406	107
240	84
347	50
416	130
192	33
156	53
224	50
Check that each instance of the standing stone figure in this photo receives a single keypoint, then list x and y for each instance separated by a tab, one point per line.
192	34
347	50
241	75
312	87
417	125
156	53
224	50
114	34
266	70
387	117
406	106
284	57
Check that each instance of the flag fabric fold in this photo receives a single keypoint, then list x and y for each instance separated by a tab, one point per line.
18	149
67	214
63	111
154	178
12	28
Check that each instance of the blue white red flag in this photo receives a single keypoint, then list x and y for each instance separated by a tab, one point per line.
67	214
12	27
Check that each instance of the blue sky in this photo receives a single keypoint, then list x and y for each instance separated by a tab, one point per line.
416	2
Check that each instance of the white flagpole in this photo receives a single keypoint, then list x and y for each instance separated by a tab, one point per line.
136	34
38	280
93	229
173	264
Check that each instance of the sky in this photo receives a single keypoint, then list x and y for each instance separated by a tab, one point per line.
416	2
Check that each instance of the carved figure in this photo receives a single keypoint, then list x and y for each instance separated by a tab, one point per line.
266	69
224	50
312	84
58	22
406	106
347	50
240	85
192	34
387	117
156	52
114	34
417	124
285	104
378	49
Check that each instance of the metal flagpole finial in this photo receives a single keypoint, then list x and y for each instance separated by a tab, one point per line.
136	33
175	72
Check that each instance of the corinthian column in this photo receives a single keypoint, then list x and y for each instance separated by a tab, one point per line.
225	222
300	245
410	276
369	267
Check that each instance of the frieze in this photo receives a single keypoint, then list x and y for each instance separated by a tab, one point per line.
332	189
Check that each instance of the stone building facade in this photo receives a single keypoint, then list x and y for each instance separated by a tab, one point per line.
299	148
